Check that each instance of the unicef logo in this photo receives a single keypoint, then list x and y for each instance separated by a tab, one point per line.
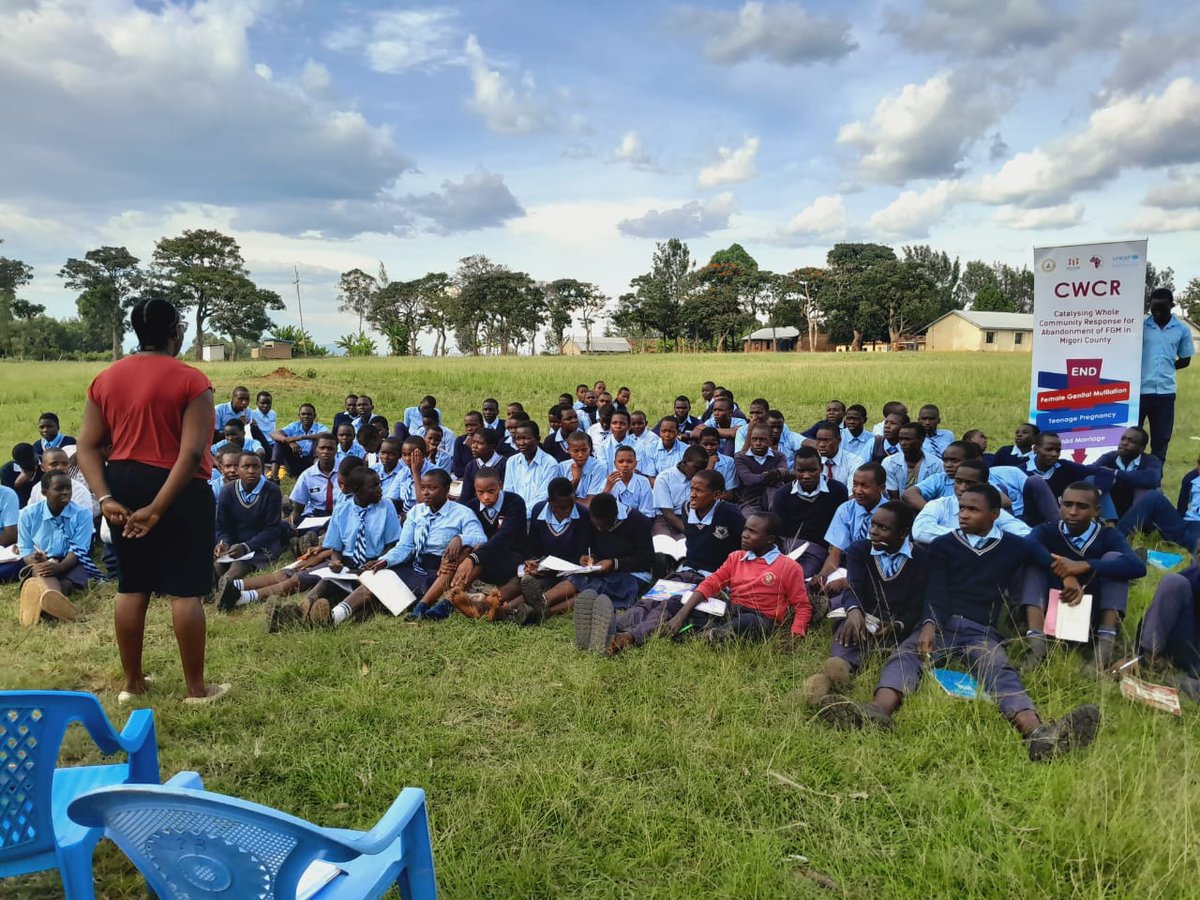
1049	265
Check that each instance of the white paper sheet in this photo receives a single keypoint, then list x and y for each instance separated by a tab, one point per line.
232	559
310	522
798	552
562	567
676	548
10	553
1069	623
318	874
388	589
327	574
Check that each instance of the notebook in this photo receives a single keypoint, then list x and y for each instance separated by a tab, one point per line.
346	577
676	548
249	554
388	588
1156	696
665	589
310	522
1069	623
562	567
1164	560
958	684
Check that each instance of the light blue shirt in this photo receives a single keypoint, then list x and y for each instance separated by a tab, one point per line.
672	490
10	507
380	524
54	535
1009	480
850	523
1081	540
265	422
311	489
638	494
863	445
530	478
1193	510
769	557
387	479
591	481
414	420
937	443
659	459
294	429
891	563
728	470
896	469
451	521
225	413
978	540
403	488
249	445
1160	348
442	459
940	517
356	449
606	453
844	464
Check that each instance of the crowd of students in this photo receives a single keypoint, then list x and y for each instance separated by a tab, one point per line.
915	545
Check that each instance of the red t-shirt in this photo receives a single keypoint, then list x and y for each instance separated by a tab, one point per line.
142	399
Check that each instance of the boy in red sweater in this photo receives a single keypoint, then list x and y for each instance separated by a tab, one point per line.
762	584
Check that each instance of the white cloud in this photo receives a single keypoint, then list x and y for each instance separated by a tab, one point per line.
630	151
784	33
480	200
923	130
978	27
1161	221
1132	132
1063	216
825	217
503	108
1180	192
733	164
691	220
913	213
395	41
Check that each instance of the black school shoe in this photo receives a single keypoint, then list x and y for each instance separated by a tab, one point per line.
848	715
1074	731
227	594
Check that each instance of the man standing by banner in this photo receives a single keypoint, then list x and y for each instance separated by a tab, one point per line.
1166	346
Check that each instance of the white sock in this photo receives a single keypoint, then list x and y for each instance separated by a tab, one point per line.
341	613
239	584
246	598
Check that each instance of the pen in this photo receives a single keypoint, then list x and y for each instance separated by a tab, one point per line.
1131	662
684	628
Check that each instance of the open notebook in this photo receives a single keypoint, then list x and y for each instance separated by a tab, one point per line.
1069	623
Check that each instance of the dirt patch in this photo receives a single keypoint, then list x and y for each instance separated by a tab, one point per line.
282	373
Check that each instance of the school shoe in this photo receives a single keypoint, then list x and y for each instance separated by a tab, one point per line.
1102	658
319	613
417	612
521	614
1035	653
56	605
848	715
280	615
531	593
819	601
1074	731
602	619
581	615
30	610
439	611
815	689
837	670
622	640
227	594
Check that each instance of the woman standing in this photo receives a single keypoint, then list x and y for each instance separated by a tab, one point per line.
157	416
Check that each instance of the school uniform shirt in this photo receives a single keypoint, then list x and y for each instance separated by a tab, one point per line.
752	471
807	516
442	459
890	586
81	496
56	536
710	538
725	445
414	419
316	491
606	453
585	417
841	466
728	469
226	413
862	446
660	459
598	434
251	517
972	576
1011	455
643	443
41	445
10	507
769	585
378	523
940	516
591	481
1160	348
672	490
530	478
387	479
249	445
638	494
497	425
687	425
900	477
628	544
265	422
937	443
295	429
851	522
356	449
468	478
505	528
404	489
569	538
555	445
1188	504
427	532
1091	545
1143	473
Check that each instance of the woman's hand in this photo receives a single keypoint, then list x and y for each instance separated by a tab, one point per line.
140	523
117	514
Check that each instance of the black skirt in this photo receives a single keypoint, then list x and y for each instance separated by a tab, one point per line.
176	557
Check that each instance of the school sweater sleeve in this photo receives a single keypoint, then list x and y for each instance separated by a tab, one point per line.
271	535
1185	492
797	594
637	554
748	475
937	595
510	536
1124	568
720	579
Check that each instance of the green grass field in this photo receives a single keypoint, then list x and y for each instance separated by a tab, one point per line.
674	771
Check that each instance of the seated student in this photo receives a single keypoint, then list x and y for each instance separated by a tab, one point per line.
483	455
671	491
294	443
708	392
855	437
439	456
248	521
503	518
491	417
912	464
761	471
414	464
851	522
599	430
313	493
54	539
1135	473
348	414
684	420
370	439
710	441
979	439
51	437
887	575
461	454
388	467
887	441
530	471
941	484
263	421
970	574
618	436
347	444
22	473
782	439
807	510
566	398
1170	631
1020	451
10	509
641	437
621	400
1179	524
940	515
763	585
714	530
364	409
936	437
631	488
225	465
1088	559
584	471
236	409
555	445
892	407
414	416
1049	475
235	438
836	463
722	420
665	453
835	412
381	425
758	410
508	447
55	459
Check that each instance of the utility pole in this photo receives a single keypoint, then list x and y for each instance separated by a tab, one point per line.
300	306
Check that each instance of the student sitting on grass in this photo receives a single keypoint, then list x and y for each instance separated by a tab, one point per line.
295	443
714	530
836	464
531	470
414	463
348	413
631	488
912	464
314	491
503	518
855	437
388	467
555	444
807	510
618	436
263	421
484	454
235	438
1088	559
55	459
1050	474
892	407
940	515
22	473
1135	473
851	522
1179	524
54	539
941	483
225	463
584	471
936	437
1170	632
665	453
248	521
460	454
439	456
761	472
887	575
51	437
1020	451
887	437
364	409
970	575
763	586
347	444
835	412
369	438
672	489
10	511
234	410
710	440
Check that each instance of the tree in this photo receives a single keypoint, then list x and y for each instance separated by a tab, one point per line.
302	342
990	298
897	295
1016	285
508	306
13	274
660	293
714	311
108	279
441	307
942	273
467	319
846	317
23	310
359	344
563	298
1190	299
1156	278
198	268
241	313
397	335
356	293
798	300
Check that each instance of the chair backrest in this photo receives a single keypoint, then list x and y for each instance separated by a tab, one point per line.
189	843
32	725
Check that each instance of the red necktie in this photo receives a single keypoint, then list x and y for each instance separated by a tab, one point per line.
829	470
329	495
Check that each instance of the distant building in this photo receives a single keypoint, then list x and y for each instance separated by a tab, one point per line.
272	348
213	353
987	332
772	340
578	346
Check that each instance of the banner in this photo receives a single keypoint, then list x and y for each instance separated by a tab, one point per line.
1088	309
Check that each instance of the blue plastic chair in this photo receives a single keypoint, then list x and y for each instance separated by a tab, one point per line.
35	831
189	842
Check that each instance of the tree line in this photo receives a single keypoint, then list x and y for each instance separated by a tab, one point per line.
864	292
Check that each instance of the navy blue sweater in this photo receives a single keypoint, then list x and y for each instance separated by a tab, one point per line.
505	536
628	543
572	544
753	473
808	520
460	457
259	527
1185	492
1147	476
1069	472
710	545
1105	540
896	599
976	584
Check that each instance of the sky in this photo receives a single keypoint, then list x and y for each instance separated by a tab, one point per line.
565	138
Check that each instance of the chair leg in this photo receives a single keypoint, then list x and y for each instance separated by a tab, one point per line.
416	881
75	867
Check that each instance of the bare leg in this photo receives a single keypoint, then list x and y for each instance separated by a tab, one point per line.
187	616
1035	618
560	598
273	586
129	619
